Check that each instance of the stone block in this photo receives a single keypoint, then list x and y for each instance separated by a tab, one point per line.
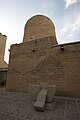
51	89
33	91
51	106
41	99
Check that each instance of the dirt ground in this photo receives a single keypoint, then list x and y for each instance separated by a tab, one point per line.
17	106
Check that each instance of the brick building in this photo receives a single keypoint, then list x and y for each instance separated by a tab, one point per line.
40	59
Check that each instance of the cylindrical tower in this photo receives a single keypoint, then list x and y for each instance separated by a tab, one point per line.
39	26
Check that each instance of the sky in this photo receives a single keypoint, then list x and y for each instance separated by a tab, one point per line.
14	14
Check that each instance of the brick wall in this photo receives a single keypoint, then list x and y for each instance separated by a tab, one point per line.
38	26
37	61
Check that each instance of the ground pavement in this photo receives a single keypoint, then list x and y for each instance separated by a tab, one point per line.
17	106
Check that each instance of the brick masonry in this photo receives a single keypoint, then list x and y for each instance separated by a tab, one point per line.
38	26
37	61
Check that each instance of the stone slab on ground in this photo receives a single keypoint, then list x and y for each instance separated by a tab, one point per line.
51	89
41	99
